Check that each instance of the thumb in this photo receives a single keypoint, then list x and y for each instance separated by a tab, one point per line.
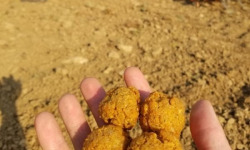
206	129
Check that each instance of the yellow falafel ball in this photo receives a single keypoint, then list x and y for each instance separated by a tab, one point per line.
159	112
150	141
146	141
109	137
120	107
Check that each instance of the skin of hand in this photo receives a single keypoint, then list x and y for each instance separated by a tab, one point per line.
204	125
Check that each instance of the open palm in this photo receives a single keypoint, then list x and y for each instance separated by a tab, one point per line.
205	127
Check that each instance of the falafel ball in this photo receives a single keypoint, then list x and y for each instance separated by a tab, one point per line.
120	107
150	141
171	141
108	137
147	141
159	112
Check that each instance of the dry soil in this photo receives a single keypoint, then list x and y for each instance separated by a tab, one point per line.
48	47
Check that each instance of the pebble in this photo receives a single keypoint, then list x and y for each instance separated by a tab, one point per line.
107	70
125	48
157	51
201	15
194	38
231	121
121	72
113	54
76	60
240	146
230	83
247	100
25	91
221	120
64	72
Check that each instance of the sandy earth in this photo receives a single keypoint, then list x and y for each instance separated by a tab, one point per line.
47	48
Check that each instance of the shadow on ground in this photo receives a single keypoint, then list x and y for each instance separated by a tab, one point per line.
11	133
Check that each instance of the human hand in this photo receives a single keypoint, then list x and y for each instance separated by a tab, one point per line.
205	127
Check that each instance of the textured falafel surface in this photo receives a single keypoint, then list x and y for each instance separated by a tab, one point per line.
159	112
108	137
120	107
151	141
147	141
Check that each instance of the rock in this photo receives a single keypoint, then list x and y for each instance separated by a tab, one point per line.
107	70
240	146
64	72
76	60
125	48
121	72
201	15
113	54
229	82
221	119
157	52
194	38
25	91
247	100
231	121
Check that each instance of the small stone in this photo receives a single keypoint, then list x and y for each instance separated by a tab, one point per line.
158	27
230	83
25	91
194	38
107	70
240	146
125	48
157	52
198	55
76	60
231	121
221	119
247	100
114	54
64	72
121	72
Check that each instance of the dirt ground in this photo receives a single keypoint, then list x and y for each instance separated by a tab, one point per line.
48	47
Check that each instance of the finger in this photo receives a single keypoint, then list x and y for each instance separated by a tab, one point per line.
206	129
93	94
74	120
48	132
134	77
